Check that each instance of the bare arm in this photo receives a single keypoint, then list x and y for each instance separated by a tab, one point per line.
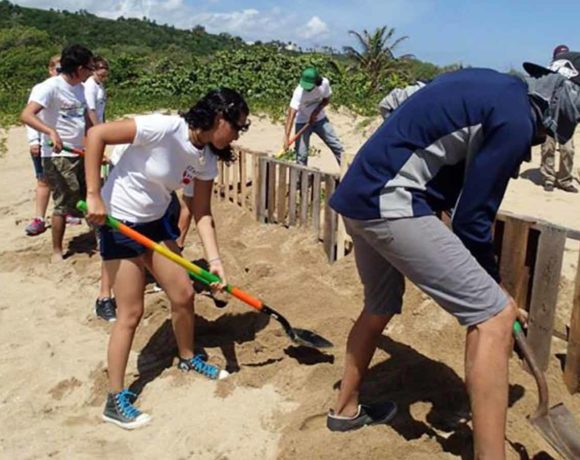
318	109
117	132
206	226
30	118
92	118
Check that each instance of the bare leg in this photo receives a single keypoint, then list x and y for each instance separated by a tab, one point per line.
360	347
488	347
177	285
58	227
128	278
105	288
42	198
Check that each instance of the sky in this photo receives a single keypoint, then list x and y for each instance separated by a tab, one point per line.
485	33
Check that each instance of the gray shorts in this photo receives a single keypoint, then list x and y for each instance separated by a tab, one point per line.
424	250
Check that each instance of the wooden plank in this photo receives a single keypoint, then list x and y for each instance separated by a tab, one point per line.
304	198
271	199
263	168
294	173
545	292
243	179
220	180
316	206
513	258
256	185
572	369
236	182
227	182
281	194
329	234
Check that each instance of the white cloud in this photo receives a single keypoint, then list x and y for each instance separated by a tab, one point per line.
315	28
251	24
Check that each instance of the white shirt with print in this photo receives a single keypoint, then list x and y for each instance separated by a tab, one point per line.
160	160
304	102
64	108
96	97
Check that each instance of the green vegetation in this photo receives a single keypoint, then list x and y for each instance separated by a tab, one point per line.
158	66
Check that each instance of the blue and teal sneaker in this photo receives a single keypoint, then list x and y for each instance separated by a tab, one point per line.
198	364
120	411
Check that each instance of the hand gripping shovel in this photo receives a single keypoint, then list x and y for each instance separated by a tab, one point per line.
556	425
299	336
291	141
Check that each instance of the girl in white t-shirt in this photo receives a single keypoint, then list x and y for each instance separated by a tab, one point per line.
166	153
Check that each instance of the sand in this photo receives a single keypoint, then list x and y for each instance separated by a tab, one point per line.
53	349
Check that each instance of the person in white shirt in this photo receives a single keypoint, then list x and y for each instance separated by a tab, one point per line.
95	93
166	153
309	99
57	108
42	193
96	97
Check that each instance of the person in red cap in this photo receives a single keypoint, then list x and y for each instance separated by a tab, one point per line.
309	99
563	177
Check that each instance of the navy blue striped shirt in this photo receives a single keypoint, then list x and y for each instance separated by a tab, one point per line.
452	145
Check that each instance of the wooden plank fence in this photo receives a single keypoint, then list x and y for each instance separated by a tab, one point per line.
530	251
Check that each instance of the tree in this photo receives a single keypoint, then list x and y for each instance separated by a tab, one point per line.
376	56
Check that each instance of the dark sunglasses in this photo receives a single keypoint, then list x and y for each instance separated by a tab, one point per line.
240	128
89	67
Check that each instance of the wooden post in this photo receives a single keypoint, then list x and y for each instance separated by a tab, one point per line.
572	370
513	258
281	193
545	292
292	198
227	182
304	198
236	182
256	185
243	178
316	206
271	203
341	234
263	167
220	180
329	220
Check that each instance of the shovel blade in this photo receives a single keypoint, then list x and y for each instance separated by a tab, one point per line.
309	339
560	429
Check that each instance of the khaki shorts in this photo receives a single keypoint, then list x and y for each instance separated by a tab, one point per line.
424	250
66	178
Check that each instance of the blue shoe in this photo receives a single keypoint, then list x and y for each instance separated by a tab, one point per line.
199	364
120	411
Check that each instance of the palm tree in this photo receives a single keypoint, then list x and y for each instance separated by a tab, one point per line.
376	55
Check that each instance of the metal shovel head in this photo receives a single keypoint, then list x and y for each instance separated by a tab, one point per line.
560	429
309	339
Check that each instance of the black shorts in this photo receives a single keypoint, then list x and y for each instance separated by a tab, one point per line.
114	245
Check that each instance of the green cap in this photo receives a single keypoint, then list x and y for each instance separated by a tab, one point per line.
309	77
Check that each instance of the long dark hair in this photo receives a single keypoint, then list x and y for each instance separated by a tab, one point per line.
227	102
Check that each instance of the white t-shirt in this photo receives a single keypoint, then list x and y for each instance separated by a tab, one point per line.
161	159
304	102
96	97
64	108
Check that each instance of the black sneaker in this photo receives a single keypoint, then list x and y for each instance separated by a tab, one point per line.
548	187
120	411
373	414
199	364
106	309
569	187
